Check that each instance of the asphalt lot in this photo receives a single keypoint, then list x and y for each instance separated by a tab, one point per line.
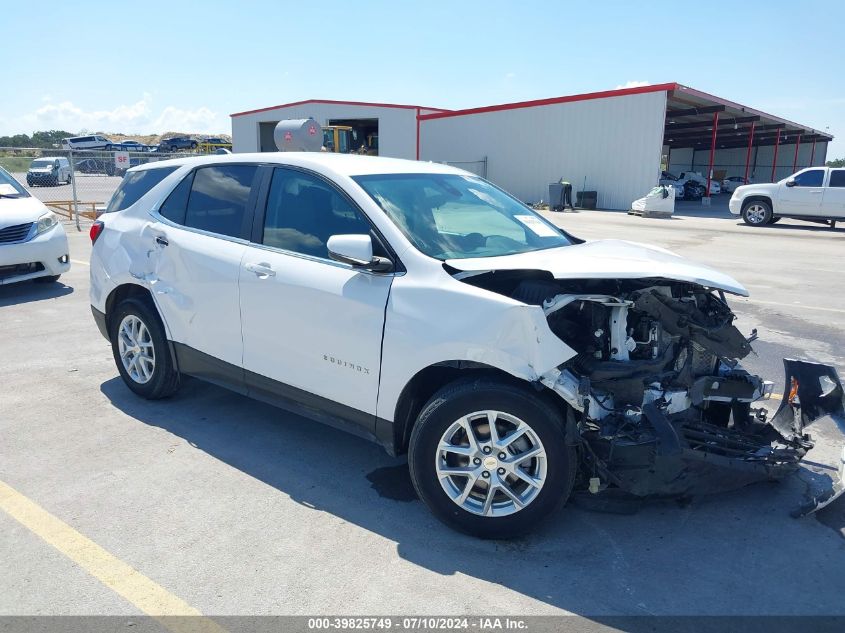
235	507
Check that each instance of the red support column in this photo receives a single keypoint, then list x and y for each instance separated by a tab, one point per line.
775	159
795	159
712	150
748	153
813	153
418	133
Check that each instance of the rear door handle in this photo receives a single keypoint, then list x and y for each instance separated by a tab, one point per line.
262	269
161	241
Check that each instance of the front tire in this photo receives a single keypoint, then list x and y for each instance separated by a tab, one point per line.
757	213
141	352
490	459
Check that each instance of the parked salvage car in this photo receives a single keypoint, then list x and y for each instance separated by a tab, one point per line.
33	244
815	194
422	307
730	184
176	143
50	170
128	146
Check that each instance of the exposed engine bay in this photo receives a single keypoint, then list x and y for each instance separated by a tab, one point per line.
659	402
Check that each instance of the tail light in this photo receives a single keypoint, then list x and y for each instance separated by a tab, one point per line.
95	231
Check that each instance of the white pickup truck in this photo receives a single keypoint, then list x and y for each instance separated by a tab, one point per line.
816	194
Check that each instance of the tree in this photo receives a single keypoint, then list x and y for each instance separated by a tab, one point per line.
839	162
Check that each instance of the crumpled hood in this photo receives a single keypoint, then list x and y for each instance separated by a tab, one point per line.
14	211
607	259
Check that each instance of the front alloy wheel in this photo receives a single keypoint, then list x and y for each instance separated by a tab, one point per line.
135	346
757	214
491	463
489	457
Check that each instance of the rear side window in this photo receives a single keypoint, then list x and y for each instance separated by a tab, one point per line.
135	185
177	202
837	178
219	198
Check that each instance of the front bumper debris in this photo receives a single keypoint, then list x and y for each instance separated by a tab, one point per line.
683	457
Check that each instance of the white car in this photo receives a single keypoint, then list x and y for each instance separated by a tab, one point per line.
422	307
729	185
33	244
95	141
815	194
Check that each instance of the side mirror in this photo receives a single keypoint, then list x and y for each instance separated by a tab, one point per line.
357	251
790	182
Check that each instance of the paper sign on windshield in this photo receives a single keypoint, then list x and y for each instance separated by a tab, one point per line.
536	226
7	190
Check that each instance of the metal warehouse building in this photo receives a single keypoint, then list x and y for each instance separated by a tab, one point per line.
614	142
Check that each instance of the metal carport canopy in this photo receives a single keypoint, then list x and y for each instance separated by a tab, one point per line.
701	121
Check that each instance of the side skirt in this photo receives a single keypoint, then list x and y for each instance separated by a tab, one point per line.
340	416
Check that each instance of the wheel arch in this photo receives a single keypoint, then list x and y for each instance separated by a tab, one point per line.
757	197
131	290
429	380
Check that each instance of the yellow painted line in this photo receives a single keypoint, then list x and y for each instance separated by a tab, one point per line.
126	581
79	261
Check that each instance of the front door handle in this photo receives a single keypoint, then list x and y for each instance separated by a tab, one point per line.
816	191
262	269
161	241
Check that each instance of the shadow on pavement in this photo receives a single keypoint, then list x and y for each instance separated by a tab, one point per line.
736	553
26	291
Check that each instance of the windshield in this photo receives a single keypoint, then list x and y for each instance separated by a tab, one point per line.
135	185
449	216
9	187
42	162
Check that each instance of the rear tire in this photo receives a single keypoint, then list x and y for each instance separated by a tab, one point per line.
465	501
141	352
757	213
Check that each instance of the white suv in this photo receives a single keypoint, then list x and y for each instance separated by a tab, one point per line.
815	194
424	308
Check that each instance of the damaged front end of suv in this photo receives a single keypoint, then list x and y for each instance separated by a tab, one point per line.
660	405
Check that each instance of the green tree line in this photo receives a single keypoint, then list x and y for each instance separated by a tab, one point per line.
46	139
839	162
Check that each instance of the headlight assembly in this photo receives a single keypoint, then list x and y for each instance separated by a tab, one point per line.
46	222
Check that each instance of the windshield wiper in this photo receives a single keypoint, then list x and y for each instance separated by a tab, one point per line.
10	195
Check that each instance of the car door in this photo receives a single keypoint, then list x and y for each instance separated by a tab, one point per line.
833	200
312	327
196	240
805	196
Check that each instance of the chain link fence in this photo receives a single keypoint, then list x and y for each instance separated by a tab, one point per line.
74	183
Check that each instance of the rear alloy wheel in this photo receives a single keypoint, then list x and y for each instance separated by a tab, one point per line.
757	213
490	459
141	352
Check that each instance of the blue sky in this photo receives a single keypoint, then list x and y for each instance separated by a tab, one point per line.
153	66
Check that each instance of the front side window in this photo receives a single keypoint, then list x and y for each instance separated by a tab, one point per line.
303	211
837	177
219	197
134	185
450	216
811	178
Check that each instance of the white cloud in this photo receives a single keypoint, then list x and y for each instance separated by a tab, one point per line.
510	76
140	117
633	84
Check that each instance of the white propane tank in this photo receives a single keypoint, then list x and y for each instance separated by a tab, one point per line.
298	135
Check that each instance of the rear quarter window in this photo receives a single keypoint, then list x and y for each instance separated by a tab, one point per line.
135	185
